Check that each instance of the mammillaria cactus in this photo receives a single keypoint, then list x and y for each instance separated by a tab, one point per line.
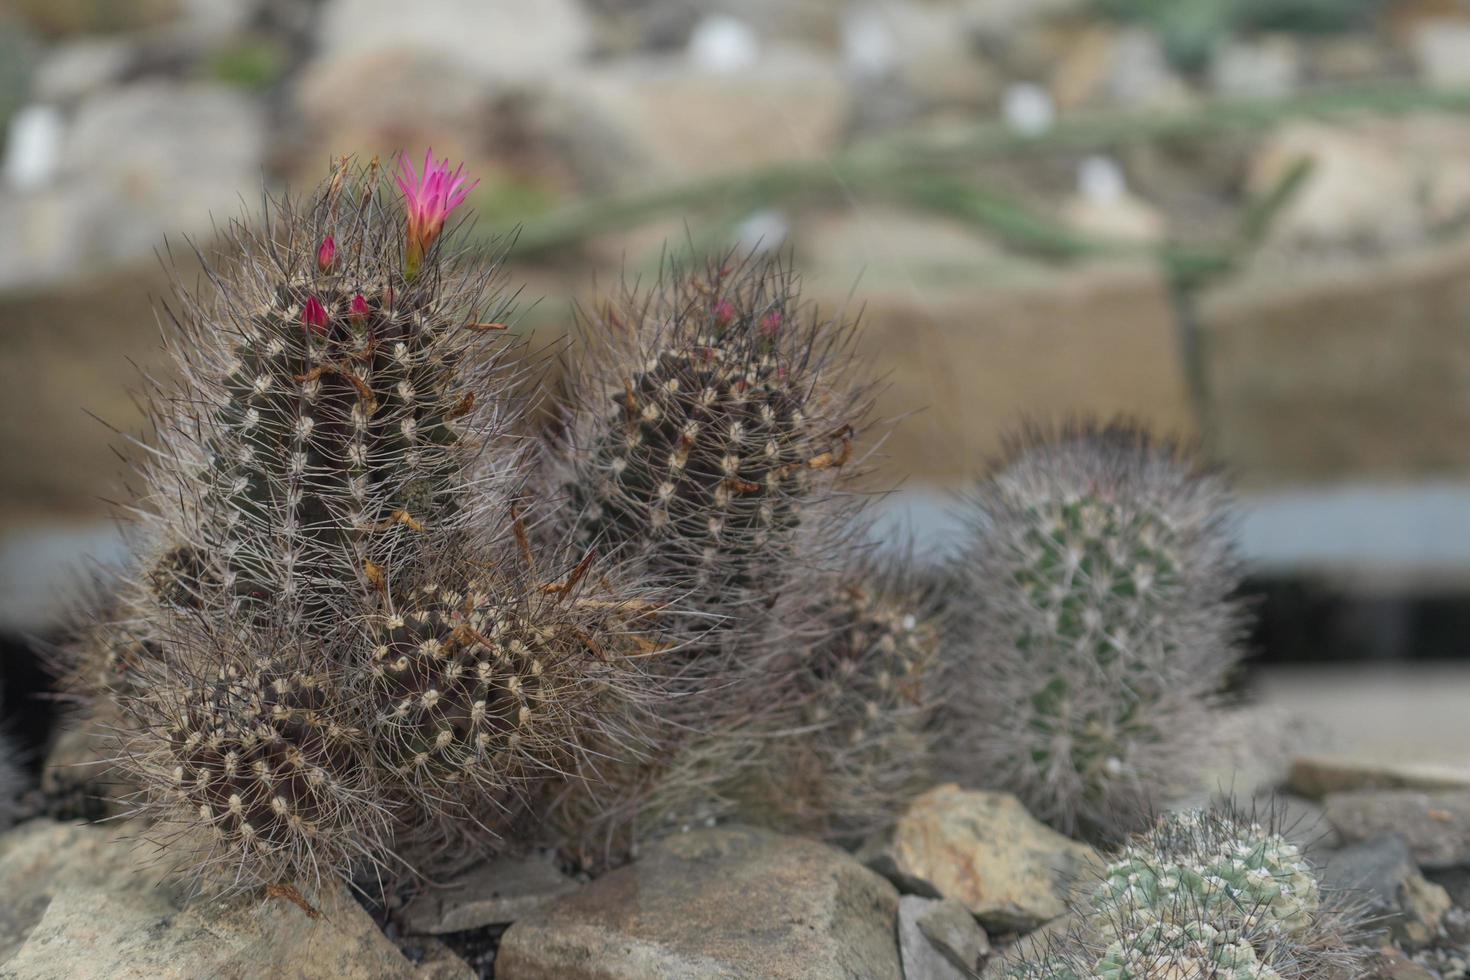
1208	894
1094	624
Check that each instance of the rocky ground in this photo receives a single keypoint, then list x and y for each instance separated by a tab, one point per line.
960	878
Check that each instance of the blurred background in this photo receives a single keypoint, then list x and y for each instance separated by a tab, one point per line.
1246	221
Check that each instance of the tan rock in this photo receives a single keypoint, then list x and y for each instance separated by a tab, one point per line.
1316	776
985	850
724	903
500	891
80	902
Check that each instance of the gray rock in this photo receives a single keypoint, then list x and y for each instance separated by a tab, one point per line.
78	904
1316	776
1384	874
79	68
939	939
722	903
1456	881
1441	50
1264	68
500	891
1436	825
987	852
495	40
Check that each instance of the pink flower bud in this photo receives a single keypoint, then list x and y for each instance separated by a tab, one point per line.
724	313
770	323
359	309
314	315
326	253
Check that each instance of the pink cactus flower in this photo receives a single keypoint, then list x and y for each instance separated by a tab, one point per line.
326	254
314	315
429	197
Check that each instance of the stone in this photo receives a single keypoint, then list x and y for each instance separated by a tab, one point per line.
1127	69
1261	68
728	902
680	122
1316	776
1408	163
1441	50
78	903
432	960
984	850
1456	882
494	40
78	68
1383	874
1305	386
1436	825
938	939
925	51
500	891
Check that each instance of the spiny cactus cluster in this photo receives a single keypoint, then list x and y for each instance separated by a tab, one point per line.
361	632
710	443
1095	624
1207	894
334	642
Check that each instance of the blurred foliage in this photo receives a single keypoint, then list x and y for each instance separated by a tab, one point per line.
508	199
65	18
17	60
254	63
1191	30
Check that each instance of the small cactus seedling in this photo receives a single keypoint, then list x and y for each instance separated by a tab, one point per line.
1094	625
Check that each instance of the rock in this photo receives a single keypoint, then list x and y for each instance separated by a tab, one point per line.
494	40
939	939
78	905
1284	413
1409	164
1455	881
1349	58
137	162
432	960
1262	68
1441	50
924	50
1124	218
1436	825
502	890
1383	873
720	903
984	850
1316	776
681	122
78	68
1125	69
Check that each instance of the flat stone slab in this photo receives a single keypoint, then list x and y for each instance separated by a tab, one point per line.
731	903
494	893
1435	825
1316	776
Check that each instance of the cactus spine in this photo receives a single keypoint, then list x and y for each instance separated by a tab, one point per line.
1095	624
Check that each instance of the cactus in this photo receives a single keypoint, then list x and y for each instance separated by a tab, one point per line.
341	422
1095	624
859	745
715	415
1210	894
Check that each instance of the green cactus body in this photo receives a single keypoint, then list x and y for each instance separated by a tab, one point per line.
1196	866
1193	951
1094	625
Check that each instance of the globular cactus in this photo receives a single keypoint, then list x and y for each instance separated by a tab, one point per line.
1094	625
1209	894
253	764
860	740
475	692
